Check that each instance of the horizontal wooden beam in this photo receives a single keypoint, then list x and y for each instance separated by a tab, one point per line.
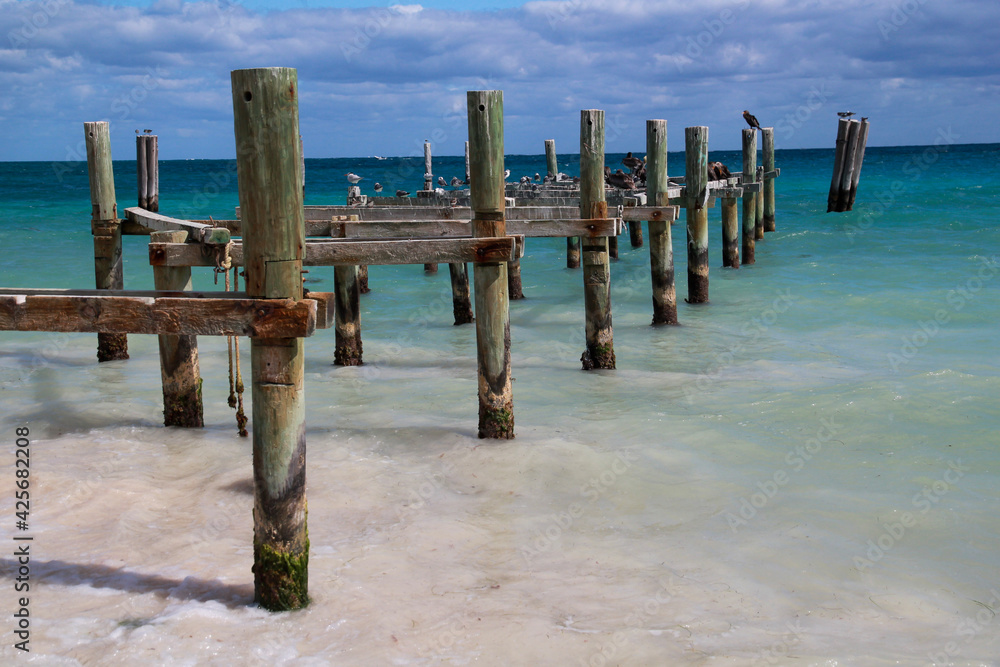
150	312
139	221
332	252
324	307
460	228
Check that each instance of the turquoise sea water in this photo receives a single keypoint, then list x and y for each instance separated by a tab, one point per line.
806	471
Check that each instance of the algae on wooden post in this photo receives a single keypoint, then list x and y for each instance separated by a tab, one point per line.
600	352
696	182
496	406
106	229
265	108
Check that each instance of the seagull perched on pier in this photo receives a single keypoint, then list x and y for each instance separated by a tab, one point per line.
506	174
441	182
845	114
751	120
402	193
538	177
455	181
353	178
148	131
378	187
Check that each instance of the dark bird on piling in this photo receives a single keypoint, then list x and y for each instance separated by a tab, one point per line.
751	120
845	114
378	187
137	131
442	182
717	171
633	163
864	118
538	177
148	131
525	180
455	181
402	193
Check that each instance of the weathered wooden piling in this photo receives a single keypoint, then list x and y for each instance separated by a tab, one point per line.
265	109
182	398
106	229
515	289
758	210
767	149
496	405
461	300
140	170
749	198
428	187
850	160
363	279
347	314
696	182
600	352
613	247
858	162
572	242
730	234
843	125
466	162
147	166
661	246
551	163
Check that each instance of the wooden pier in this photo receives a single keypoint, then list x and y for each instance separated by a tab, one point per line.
278	236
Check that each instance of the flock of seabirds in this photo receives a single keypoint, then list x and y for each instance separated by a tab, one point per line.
634	179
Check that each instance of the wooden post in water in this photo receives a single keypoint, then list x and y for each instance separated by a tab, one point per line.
759	208
862	144
730	234
363	279
182	399
850	157
749	198
265	109
661	246
696	181
428	187
461	300
551	163
496	403
767	150
140	170
600	352
466	162
302	167
843	125
106	229
347	316
572	242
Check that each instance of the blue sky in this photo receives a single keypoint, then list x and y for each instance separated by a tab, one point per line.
379	78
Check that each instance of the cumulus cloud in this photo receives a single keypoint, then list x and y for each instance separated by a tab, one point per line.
374	80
